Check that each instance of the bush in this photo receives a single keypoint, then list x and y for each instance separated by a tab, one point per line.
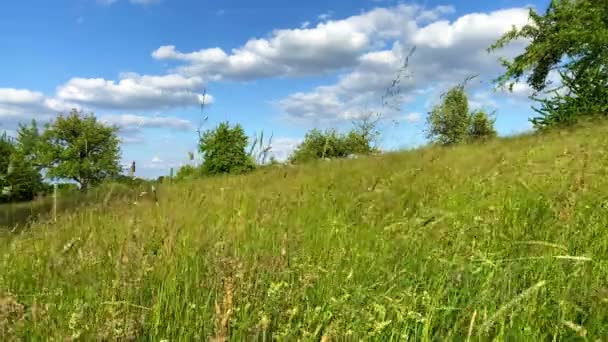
449	121
317	145
481	126
224	150
187	172
330	144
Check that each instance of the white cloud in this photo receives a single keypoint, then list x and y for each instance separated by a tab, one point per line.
413	117
158	163
325	16
283	147
130	122
18	105
134	91
330	46
470	28
19	96
446	53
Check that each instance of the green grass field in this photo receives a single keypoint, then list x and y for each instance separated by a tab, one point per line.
505	241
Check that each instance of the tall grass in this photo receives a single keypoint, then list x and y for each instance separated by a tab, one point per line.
505	241
15	216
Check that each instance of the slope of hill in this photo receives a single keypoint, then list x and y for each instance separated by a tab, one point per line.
507	240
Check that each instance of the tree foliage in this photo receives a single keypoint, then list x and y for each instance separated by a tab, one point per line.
79	148
319	144
224	150
187	172
481	126
571	40
19	180
448	122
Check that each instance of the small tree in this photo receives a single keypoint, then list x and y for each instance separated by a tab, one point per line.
80	148
330	144
224	150
317	145
24	181
187	172
27	144
448	122
6	151
481	126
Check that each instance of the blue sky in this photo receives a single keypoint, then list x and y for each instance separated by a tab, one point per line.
283	67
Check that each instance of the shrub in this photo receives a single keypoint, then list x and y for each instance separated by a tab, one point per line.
224	150
481	126
187	172
448	122
319	144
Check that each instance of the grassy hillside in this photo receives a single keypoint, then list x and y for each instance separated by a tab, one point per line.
508	240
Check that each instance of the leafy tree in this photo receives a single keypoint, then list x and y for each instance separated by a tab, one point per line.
481	126
448	122
27	144
6	151
570	39
24	181
361	139
19	181
7	148
187	172
80	148
319	144
224	150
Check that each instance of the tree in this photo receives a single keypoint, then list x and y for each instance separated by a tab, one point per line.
481	126
79	148
319	144
224	150
24	181
449	121
6	151
570	40
27	144
187	172
19	181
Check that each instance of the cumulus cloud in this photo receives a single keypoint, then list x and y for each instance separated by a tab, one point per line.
157	163
446	53
131	126
131	121
329	46
367	49
17	105
283	147
134	91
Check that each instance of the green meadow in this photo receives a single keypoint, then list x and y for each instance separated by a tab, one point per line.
502	241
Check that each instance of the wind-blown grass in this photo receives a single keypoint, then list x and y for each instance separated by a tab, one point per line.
504	241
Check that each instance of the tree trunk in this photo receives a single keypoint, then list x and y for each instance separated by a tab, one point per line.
84	185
